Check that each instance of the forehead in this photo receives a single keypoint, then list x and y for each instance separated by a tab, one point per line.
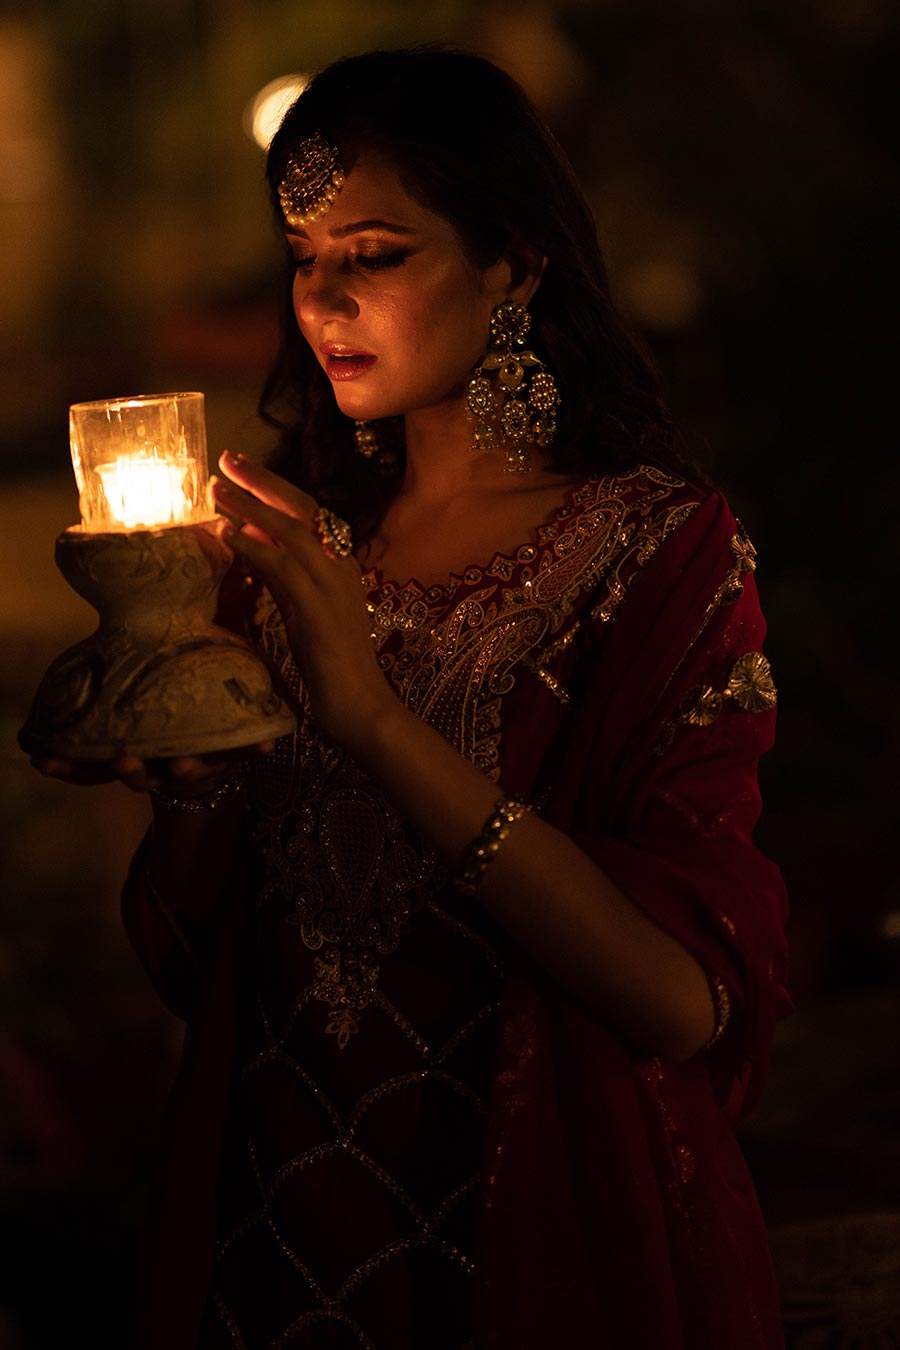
373	195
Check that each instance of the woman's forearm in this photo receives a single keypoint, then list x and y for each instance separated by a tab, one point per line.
547	893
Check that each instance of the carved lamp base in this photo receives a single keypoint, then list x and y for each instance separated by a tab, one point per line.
158	678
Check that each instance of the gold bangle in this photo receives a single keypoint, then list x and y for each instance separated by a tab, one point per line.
484	847
722	1007
210	801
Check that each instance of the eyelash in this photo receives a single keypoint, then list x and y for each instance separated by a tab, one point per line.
368	262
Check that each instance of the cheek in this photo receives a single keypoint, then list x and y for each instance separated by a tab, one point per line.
297	292
449	320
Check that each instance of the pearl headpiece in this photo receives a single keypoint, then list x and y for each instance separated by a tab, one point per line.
313	177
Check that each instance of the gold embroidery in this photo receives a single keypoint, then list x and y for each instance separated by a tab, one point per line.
638	547
729	590
722	1008
229	1323
328	1314
277	1055
687	1163
341	858
352	873
654	1075
347	993
376	1094
550	681
750	686
732	587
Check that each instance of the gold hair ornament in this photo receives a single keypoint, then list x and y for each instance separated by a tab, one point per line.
313	177
510	408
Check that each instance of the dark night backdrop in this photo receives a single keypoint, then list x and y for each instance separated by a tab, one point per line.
741	162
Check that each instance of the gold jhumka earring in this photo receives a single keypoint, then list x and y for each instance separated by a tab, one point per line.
381	442
512	409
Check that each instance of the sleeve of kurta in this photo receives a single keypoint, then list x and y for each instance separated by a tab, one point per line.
683	706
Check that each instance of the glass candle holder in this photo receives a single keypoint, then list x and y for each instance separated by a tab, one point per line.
140	463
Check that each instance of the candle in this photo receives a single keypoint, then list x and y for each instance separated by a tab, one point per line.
140	463
145	493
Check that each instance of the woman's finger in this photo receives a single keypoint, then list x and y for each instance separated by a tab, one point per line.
82	773
275	566
134	773
282	529
267	486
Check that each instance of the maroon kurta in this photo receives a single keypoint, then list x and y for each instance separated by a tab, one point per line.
427	1142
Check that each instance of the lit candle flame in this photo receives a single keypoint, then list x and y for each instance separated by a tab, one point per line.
144	493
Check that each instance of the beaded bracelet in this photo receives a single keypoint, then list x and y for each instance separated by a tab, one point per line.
208	802
722	1006
483	848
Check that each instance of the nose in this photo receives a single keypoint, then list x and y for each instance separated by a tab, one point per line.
323	296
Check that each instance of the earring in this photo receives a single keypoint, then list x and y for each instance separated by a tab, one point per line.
518	410
383	448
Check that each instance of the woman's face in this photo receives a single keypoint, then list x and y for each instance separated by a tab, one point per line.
384	295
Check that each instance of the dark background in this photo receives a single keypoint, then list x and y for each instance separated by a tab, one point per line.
742	165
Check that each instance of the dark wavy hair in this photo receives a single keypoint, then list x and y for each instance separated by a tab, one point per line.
468	144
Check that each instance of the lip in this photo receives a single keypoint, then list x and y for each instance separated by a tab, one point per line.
345	363
341	349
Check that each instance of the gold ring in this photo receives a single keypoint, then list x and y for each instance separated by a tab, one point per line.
334	534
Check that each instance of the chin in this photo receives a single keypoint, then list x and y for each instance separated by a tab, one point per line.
367	409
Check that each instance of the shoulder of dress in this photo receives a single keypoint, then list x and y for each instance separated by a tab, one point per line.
641	506
642	491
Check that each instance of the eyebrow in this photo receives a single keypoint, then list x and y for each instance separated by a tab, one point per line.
358	226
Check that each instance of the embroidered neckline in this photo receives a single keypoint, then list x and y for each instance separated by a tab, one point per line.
376	579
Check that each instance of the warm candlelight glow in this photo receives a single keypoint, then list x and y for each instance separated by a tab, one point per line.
140	462
143	492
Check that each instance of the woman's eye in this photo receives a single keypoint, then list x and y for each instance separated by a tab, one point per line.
366	262
378	262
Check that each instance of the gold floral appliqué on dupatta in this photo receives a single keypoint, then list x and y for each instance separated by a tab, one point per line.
750	687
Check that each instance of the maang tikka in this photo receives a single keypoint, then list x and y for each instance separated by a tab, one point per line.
312	179
512	409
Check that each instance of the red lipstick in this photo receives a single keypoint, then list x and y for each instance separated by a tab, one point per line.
345	363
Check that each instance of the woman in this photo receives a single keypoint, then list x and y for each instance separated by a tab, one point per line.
465	1071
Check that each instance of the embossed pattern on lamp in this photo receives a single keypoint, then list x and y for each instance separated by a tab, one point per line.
158	678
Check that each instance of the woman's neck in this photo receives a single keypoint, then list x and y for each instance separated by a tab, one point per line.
441	464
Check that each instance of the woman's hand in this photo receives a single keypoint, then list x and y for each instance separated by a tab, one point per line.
320	597
186	776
